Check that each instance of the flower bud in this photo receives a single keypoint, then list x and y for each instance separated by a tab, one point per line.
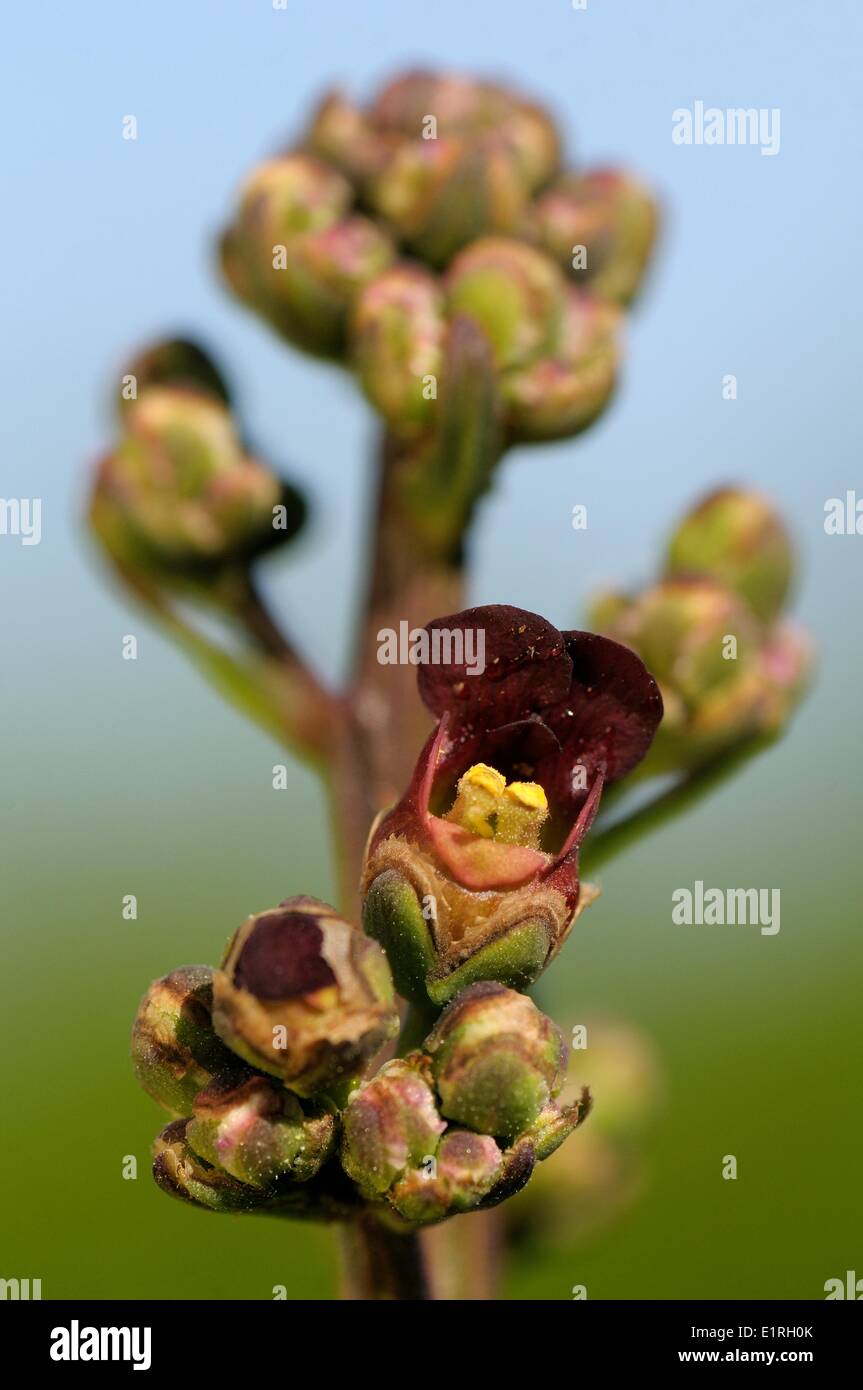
513	292
344	136
496	1060
179	493
398	331
464	1170
390	1124
181	1173
601	227
681	629
490	152
565	390
304	995
298	255
257	1131
738	539
175	1051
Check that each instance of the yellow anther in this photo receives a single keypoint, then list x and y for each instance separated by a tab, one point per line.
527	794
486	806
521	813
485	777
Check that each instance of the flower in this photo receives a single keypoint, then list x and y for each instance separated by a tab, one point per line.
304	996
474	874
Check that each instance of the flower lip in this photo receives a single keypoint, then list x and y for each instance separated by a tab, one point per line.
568	710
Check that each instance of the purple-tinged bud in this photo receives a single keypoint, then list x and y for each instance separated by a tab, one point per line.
564	391
389	1125
181	1173
304	995
398	333
344	136
496	1060
257	1131
739	539
463	1171
175	1051
298	254
601	227
462	160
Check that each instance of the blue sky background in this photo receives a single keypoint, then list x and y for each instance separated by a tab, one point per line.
119	774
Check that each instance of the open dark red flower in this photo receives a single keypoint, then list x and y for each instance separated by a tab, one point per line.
532	723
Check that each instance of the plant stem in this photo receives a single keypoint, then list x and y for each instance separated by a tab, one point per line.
381	1264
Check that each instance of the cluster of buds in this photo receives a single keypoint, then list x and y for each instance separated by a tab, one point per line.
459	1124
261	1062
254	1060
258	1064
180	498
389	233
712	631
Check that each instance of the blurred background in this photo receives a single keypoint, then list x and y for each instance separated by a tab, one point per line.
131	777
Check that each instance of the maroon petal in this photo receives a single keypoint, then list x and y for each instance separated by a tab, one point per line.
526	667
608	720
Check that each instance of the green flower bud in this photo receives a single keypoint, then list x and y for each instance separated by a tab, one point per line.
601	227
496	1060
463	1172
513	292
181	1173
345	137
180	495
565	391
389	1125
257	1131
681	630
398	332
175	1051
490	152
738	539
298	255
304	995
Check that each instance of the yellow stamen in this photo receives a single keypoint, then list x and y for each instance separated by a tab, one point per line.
486	806
478	792
527	794
481	775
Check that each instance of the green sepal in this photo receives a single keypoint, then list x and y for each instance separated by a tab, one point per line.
393	916
515	959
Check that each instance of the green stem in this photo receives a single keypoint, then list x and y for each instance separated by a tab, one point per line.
417	1023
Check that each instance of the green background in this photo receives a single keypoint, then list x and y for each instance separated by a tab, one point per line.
131	777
